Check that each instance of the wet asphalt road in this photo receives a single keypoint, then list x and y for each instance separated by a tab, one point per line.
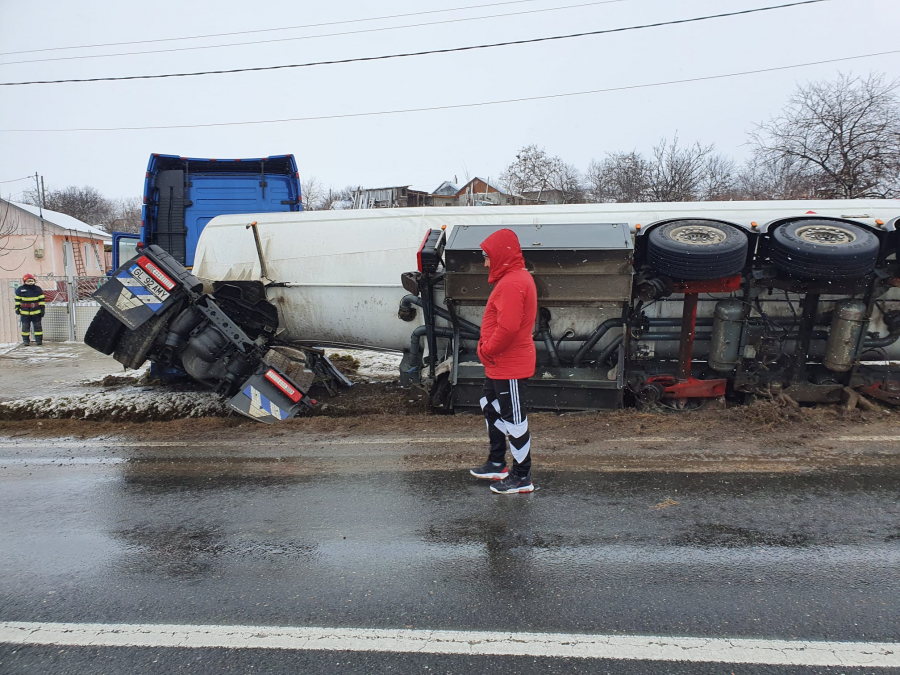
254	540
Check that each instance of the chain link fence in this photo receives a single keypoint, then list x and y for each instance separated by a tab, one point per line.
69	307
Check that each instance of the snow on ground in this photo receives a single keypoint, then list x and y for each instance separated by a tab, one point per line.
34	355
125	377
136	406
69	381
372	365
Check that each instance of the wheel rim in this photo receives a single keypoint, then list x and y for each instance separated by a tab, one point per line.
829	235
698	235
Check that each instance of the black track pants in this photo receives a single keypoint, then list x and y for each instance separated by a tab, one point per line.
32	321
505	415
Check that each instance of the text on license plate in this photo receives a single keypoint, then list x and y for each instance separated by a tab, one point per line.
149	282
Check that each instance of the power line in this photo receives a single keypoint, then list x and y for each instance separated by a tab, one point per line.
268	30
312	37
422	53
465	105
14	180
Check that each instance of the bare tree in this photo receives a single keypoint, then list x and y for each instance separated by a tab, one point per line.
534	171
783	178
567	181
676	174
125	215
86	203
314	194
846	132
529	173
334	197
620	177
719	178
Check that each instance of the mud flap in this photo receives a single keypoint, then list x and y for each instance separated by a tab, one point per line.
332	370
144	287
269	397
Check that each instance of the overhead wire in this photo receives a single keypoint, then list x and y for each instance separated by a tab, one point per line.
268	30
13	180
465	105
311	37
422	53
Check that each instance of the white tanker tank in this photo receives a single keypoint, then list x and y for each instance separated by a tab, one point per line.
613	279
337	274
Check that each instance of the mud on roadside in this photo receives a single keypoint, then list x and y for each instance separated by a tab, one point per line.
386	408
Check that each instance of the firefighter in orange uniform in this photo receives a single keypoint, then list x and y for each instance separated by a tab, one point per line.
30	306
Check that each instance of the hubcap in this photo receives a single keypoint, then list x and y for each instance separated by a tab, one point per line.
830	235
698	235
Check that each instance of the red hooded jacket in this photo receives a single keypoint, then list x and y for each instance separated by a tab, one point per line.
506	347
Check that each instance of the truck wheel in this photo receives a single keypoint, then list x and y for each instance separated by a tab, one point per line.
821	249
135	345
697	249
104	332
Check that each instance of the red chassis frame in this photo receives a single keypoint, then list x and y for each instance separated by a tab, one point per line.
684	385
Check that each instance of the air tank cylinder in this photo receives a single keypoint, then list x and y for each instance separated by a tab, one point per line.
728	320
847	324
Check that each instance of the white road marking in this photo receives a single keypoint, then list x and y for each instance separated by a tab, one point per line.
60	461
295	443
316	442
473	643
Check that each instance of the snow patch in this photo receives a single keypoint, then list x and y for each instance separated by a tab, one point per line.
142	406
33	354
373	366
124	377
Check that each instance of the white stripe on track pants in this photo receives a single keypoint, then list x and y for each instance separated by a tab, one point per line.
504	412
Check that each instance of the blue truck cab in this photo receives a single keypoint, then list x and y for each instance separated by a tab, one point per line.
182	194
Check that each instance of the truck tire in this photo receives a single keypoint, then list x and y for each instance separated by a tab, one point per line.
697	249
821	249
104	332
135	345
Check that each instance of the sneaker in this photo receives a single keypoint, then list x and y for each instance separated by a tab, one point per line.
513	484
490	471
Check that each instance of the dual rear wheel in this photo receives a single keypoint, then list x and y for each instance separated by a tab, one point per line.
814	249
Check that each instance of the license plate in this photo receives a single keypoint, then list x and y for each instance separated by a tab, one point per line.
149	283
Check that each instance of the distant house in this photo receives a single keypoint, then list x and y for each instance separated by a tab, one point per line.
46	243
544	197
400	196
479	192
446	194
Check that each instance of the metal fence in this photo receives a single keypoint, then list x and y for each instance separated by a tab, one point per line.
70	307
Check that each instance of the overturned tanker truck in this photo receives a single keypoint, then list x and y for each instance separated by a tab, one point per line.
670	304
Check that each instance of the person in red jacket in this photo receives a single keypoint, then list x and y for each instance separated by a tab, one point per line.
506	349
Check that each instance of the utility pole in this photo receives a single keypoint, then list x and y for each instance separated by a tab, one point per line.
37	187
43	193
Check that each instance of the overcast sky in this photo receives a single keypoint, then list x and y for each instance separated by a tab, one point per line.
421	148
